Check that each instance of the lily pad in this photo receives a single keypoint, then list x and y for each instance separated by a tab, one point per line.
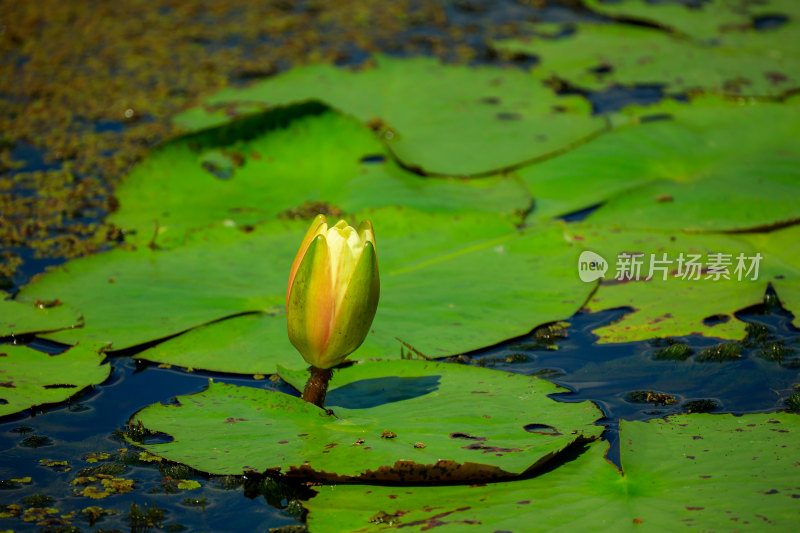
133	295
18	318
598	56
704	22
255	169
394	420
436	270
668	174
29	377
442	119
434	274
710	472
679	297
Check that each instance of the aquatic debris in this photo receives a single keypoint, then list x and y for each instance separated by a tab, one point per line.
793	402
726	351
95	513
700	406
142	519
656	398
671	349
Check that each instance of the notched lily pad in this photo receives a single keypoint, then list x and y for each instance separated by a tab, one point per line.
668	174
29	377
259	168
709	472
440	119
688	283
450	422
436	269
600	56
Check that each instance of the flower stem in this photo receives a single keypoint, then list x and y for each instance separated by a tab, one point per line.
317	386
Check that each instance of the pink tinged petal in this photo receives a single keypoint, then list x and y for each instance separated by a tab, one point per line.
309	310
318	226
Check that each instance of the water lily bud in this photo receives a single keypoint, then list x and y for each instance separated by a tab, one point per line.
333	291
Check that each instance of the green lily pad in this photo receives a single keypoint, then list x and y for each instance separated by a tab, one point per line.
29	377
18	318
432	280
436	271
394	420
668	174
133	295
598	56
704	22
709	472
255	169
675	303
442	119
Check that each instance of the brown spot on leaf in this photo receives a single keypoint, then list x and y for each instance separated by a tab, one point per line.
46	304
776	77
465	436
490	449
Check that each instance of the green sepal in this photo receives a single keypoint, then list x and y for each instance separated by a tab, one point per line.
309	305
354	317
